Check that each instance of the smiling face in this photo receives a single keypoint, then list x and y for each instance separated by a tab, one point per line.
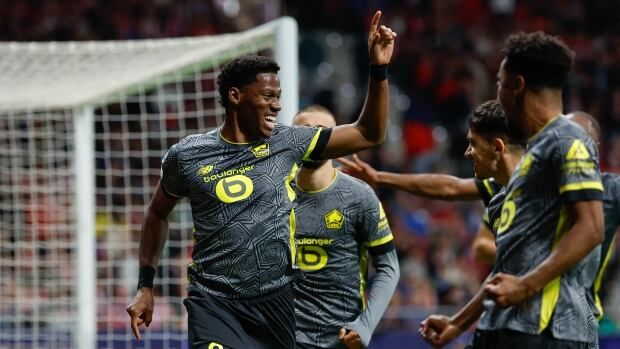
258	105
482	152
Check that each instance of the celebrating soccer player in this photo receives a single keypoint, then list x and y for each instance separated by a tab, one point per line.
551	221
237	179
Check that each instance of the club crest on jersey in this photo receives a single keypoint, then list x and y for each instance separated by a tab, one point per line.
334	219
261	150
205	170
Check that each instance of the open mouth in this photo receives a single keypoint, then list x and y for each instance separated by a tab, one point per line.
270	121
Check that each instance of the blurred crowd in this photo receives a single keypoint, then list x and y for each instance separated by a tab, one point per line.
448	53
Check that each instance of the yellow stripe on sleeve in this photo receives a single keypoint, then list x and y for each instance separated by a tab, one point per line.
315	139
381	241
595	185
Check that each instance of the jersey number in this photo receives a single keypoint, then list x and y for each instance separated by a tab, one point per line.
508	214
234	188
311	258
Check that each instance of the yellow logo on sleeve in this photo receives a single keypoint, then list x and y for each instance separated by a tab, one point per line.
578	151
334	219
261	150
383	222
205	170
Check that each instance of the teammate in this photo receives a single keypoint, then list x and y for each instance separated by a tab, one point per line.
611	204
494	156
340	222
551	221
237	180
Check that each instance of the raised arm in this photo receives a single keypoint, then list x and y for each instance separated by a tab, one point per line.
370	128
152	239
434	186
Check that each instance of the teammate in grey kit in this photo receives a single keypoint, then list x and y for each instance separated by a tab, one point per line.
340	223
237	178
551	221
611	204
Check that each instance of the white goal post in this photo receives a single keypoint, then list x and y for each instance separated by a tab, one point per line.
83	127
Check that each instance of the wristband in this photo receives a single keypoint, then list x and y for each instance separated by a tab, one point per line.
378	72
146	277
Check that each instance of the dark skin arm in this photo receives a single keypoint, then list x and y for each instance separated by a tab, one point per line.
584	235
433	186
370	128
439	330
152	239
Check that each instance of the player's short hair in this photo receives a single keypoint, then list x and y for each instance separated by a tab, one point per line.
489	120
543	60
317	108
242	71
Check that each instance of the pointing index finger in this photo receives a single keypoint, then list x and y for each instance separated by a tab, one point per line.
375	22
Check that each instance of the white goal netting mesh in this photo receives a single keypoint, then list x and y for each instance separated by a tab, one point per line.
145	96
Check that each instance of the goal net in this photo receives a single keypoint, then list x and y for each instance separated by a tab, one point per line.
83	128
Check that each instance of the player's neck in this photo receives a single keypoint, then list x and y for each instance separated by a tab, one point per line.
539	108
507	166
233	133
316	179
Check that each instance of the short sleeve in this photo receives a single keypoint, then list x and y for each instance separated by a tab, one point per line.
307	142
575	166
172	179
487	188
373	227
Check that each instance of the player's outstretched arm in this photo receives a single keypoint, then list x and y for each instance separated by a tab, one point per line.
370	128
585	234
152	239
429	185
439	330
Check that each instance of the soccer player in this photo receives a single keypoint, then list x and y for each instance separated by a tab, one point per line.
340	222
237	178
494	156
551	221
611	204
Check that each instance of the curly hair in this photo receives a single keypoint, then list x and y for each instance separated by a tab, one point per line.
543	60
489	120
242	71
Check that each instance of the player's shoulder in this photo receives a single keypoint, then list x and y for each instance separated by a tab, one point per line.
355	184
564	129
197	140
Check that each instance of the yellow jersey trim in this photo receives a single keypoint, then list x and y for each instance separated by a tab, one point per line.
529	140
315	139
551	291
381	241
595	185
322	189
599	278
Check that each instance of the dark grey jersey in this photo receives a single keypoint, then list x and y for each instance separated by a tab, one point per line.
560	167
336	229
487	188
242	207
611	208
494	211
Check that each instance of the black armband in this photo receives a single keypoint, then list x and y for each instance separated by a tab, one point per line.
378	72
146	277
